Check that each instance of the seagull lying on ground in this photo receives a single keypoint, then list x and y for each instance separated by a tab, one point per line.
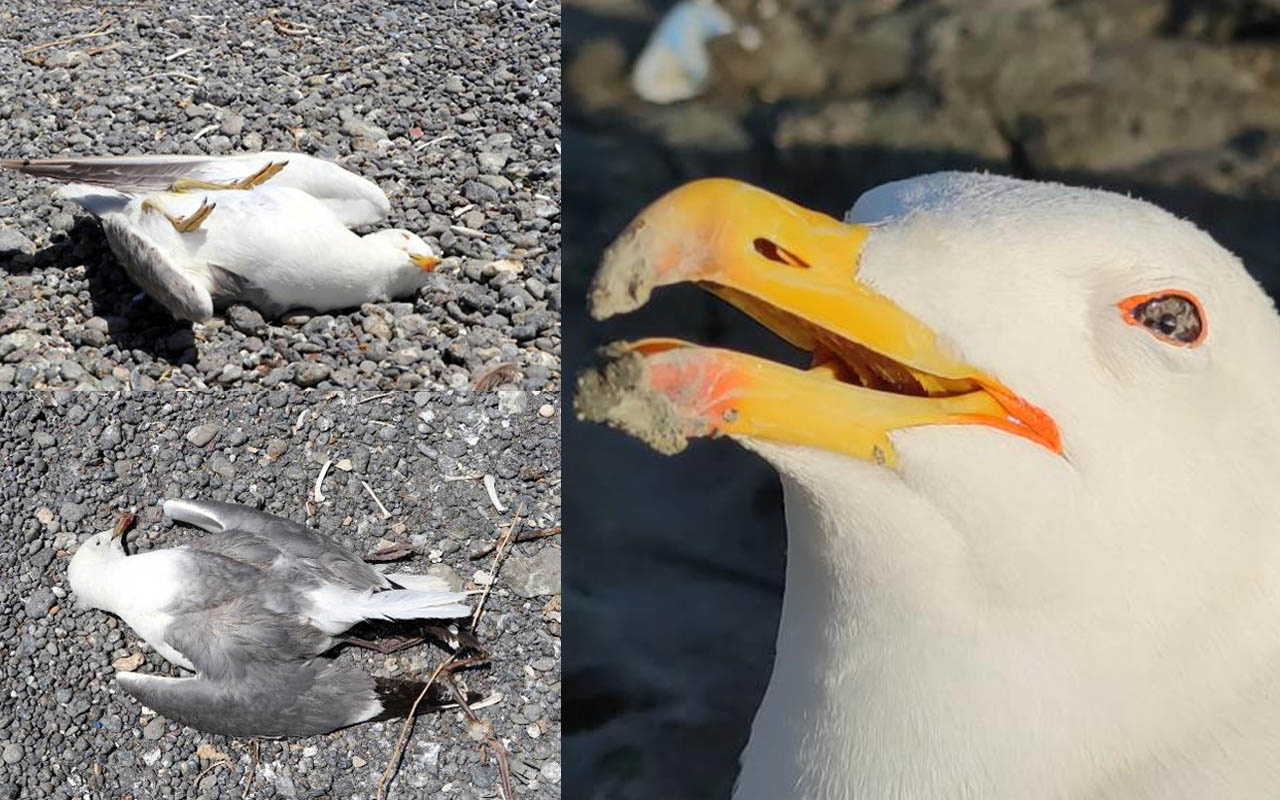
269	229
1029	476
250	609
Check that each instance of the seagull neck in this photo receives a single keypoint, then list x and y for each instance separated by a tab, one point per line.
870	610
111	585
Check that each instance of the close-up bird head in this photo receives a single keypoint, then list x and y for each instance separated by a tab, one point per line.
1030	417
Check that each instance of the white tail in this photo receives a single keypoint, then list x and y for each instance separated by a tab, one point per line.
412	604
335	609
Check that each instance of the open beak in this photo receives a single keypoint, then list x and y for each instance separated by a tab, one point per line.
875	368
425	263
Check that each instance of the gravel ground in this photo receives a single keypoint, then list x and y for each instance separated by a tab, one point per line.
452	106
74	460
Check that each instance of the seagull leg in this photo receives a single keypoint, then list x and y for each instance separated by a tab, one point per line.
386	646
184	224
261	176
256	179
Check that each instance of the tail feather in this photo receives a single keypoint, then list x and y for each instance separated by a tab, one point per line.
411	604
335	609
419	583
397	698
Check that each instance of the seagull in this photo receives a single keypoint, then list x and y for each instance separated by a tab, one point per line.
250	610
268	229
1033	541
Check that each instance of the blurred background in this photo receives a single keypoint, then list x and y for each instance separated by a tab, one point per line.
675	576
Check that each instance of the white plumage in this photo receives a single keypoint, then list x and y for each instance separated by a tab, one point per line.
996	622
987	615
280	242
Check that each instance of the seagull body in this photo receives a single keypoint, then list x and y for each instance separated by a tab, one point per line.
249	609
1032	546
194	240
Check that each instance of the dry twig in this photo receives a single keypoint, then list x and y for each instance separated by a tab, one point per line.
531	536
500	552
499	752
253	771
452	662
102	30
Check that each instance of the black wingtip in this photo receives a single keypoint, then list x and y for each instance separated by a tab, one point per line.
397	698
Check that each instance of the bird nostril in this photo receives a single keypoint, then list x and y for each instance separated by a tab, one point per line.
774	252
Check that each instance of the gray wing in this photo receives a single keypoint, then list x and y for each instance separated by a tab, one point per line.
134	174
295	699
227	640
274	543
155	270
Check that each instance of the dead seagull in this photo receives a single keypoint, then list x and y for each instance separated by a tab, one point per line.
249	610
268	229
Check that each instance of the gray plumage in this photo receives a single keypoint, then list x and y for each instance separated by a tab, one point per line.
251	609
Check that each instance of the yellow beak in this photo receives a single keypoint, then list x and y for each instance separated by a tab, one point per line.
876	368
425	263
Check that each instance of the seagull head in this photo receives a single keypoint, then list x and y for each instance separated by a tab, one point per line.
1042	409
416	252
94	555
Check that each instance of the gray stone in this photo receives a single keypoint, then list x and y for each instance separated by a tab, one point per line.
310	373
478	192
513	402
533	576
72	512
245	319
12	241
39	603
201	435
377	327
12	753
491	162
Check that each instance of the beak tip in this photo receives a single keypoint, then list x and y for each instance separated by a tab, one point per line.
426	263
621	395
628	271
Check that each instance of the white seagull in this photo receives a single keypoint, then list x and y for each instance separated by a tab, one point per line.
250	610
1033	539
269	229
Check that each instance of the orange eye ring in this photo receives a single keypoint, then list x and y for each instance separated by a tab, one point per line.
1133	310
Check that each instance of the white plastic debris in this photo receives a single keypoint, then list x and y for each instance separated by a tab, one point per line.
675	65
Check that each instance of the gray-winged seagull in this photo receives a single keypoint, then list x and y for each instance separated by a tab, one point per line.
1033	531
269	229
250	609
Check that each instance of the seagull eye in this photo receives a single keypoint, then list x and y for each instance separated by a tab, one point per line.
1171	316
